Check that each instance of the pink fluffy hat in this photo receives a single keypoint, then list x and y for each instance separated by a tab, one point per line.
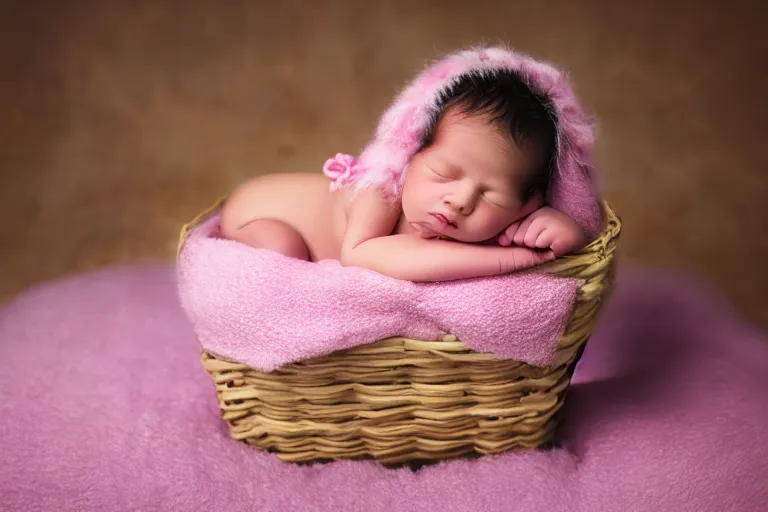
384	161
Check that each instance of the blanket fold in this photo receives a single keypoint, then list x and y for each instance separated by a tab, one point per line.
266	310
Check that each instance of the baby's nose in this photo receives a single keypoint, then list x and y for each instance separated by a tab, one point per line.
463	201
460	208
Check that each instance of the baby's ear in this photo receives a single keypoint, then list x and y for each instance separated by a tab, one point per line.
535	202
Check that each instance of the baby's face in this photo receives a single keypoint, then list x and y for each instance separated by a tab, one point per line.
465	185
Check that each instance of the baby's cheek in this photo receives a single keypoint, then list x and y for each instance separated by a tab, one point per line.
502	217
489	223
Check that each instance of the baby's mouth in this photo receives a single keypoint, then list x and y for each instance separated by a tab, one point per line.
444	220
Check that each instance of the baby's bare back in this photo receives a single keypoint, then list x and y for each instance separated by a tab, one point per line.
301	200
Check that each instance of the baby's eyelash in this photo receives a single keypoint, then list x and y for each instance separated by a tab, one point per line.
485	196
440	174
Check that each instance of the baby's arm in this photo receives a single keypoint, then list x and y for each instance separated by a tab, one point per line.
369	242
545	228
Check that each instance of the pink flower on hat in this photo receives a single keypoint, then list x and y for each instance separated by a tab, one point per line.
338	166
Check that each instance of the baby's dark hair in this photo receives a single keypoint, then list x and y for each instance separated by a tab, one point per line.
517	110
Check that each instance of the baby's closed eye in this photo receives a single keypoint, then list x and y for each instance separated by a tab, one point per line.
498	198
447	173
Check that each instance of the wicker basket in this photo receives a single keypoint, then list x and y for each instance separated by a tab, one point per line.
403	400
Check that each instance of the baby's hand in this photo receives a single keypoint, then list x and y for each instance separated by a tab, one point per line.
545	228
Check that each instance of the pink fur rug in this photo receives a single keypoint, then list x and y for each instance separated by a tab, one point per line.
104	406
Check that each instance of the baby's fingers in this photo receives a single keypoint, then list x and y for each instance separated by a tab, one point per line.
546	239
521	233
534	231
506	237
521	258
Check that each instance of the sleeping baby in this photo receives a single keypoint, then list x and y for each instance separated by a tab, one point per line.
470	201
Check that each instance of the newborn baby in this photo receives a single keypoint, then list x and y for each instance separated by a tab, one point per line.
471	204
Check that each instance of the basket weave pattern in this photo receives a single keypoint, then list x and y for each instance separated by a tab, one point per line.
401	400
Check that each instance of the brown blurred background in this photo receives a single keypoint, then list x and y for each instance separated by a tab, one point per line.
120	120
